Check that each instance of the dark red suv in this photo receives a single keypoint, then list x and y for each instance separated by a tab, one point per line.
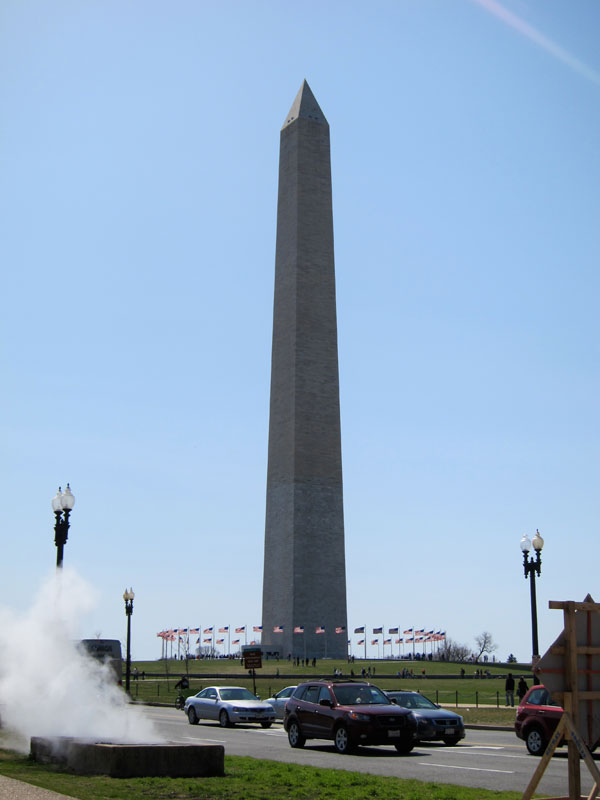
350	713
537	718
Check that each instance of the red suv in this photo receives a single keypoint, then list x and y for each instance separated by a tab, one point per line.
350	713
537	718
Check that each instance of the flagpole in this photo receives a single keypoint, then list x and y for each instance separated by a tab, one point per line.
365	642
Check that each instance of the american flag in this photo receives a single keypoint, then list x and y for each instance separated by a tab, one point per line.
278	629
387	641
194	630
198	640
393	630
241	630
299	629
252	642
374	641
421	630
224	630
359	630
340	629
410	630
377	630
361	641
409	640
220	641
208	630
183	630
257	629
236	641
207	641
319	629
399	641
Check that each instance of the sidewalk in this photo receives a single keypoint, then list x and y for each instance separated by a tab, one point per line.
11	789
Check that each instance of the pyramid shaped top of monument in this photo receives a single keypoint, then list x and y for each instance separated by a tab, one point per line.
305	106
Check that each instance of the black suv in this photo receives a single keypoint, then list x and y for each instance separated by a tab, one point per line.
350	713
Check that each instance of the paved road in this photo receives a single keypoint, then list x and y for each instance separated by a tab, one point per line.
485	759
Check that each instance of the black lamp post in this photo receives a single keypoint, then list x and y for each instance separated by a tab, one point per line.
62	505
532	567
128	597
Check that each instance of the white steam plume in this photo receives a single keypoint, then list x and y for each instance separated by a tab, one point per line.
50	688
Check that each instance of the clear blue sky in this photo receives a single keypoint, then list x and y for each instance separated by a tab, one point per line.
139	150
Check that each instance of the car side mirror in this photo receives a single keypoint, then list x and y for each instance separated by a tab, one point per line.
394	701
324	702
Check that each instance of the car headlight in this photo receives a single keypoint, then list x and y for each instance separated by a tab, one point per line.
359	717
238	710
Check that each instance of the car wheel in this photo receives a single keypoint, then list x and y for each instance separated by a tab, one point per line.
265	724
450	741
192	716
405	747
224	719
295	737
535	741
341	740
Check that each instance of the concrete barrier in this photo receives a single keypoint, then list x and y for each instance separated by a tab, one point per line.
121	760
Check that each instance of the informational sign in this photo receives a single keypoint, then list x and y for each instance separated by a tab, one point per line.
252	656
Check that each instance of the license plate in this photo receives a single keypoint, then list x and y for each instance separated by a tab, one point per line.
450	730
391	734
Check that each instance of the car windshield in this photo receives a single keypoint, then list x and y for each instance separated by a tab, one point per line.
413	701
359	695
236	694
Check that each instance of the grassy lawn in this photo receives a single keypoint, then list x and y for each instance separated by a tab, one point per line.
245	779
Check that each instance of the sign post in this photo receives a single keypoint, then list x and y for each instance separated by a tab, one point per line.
252	655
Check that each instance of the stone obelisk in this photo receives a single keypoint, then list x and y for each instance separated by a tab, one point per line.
304	585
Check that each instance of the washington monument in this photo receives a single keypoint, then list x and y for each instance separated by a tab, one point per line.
304	588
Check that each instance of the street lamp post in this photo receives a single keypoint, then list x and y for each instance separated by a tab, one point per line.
62	505
532	567
128	597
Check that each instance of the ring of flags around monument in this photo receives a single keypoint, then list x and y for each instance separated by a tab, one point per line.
206	636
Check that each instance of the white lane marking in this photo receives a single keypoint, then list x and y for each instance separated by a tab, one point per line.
484	747
471	769
200	740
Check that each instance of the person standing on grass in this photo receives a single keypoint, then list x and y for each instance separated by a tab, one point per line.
522	688
509	688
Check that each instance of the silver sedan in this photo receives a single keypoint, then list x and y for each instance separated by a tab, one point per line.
228	705
279	700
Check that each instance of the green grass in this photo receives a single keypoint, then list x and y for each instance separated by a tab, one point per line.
245	779
450	691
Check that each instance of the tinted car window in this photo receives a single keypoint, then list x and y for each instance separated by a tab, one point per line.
312	694
355	695
538	697
300	692
324	694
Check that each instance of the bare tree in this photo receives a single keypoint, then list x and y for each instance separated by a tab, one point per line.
485	644
454	651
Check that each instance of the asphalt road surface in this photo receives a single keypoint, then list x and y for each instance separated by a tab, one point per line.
484	759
